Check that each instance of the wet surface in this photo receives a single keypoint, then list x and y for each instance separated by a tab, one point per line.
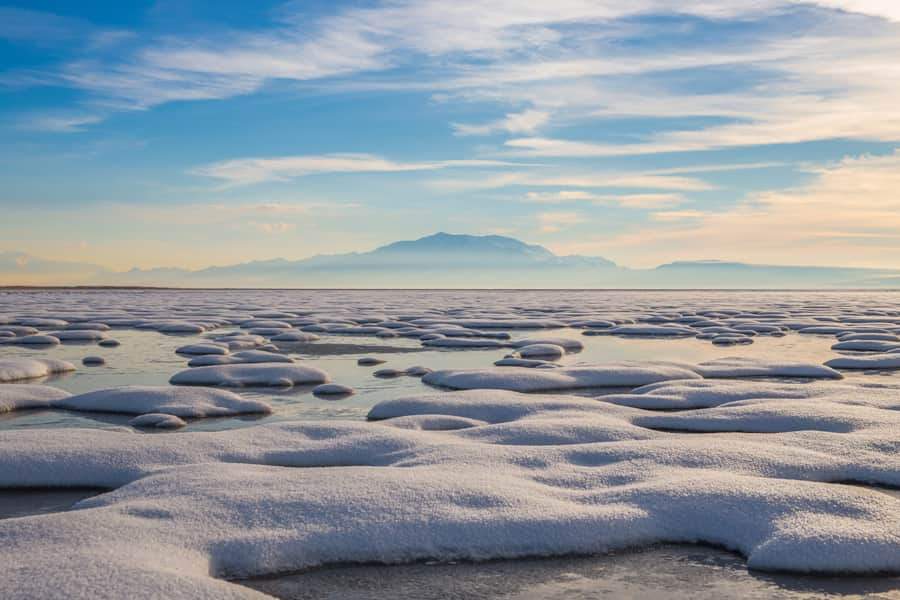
40	501
149	358
657	573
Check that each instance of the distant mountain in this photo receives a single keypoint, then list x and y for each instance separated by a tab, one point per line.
715	273
24	269
450	261
451	251
437	260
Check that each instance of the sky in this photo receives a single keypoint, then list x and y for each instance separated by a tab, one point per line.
193	133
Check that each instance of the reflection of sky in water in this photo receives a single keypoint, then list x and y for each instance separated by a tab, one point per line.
148	358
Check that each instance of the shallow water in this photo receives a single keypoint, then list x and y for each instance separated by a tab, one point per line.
658	573
28	502
149	358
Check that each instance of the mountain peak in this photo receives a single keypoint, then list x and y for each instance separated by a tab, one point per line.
451	244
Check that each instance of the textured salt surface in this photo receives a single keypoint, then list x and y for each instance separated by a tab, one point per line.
249	375
24	396
132	400
746	446
180	402
542	475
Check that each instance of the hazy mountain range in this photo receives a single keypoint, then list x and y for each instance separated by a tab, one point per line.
448	261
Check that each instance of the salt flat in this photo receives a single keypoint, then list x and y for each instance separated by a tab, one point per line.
627	419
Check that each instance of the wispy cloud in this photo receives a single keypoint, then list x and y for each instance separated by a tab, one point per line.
551	222
848	215
679	215
523	122
640	201
636	180
272	228
520	54
245	171
57	123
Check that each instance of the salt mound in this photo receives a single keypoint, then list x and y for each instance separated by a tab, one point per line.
22	396
749	367
464	342
548	351
157	421
878	337
265	324
433	422
41	322
19	330
523	379
332	389
569	344
180	327
487	406
368	361
418	371
731	340
505	323
250	375
240	358
33	340
388	373
512	361
680	395
181	402
203	349
240	341
871	361
824	412
651	331
15	369
89	325
866	346
295	336
79	335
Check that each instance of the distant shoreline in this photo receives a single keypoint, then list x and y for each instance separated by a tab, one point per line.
25	288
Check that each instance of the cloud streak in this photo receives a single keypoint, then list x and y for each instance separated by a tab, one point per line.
387	35
247	171
848	215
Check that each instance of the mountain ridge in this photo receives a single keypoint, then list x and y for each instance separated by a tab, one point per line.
451	260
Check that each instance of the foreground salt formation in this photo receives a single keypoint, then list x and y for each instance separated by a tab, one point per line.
133	400
157	421
756	466
25	396
501	474
19	369
251	375
517	376
179	402
525	379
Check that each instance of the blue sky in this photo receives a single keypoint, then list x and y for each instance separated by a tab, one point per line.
198	133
